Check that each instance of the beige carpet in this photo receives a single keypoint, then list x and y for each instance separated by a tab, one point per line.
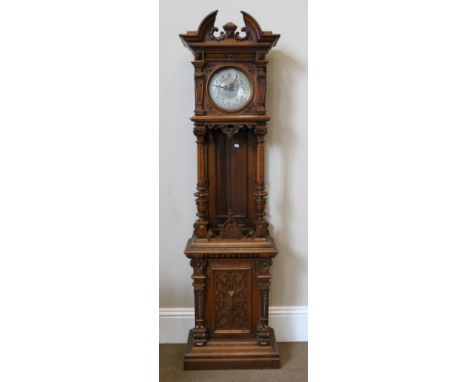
293	367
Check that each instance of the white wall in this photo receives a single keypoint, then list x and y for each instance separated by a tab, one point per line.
286	156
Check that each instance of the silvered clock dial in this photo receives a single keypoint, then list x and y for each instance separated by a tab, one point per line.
230	89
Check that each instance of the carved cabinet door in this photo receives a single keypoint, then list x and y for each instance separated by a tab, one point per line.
230	298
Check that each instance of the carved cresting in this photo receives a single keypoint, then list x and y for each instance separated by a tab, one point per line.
199	332
252	31
263	281
202	182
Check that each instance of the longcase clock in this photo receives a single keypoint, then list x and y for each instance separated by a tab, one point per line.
231	249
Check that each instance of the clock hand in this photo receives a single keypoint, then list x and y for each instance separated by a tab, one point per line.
228	87
231	84
232	81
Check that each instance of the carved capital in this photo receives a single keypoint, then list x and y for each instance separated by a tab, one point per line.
252	33
260	131
264	266
199	130
263	273
198	269
199	65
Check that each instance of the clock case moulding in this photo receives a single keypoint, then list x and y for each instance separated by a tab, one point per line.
231	250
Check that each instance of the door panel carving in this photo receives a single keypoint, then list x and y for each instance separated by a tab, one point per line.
232	291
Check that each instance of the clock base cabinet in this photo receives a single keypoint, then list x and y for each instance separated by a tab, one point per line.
231	282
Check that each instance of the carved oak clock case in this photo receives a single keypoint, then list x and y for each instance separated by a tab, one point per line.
231	250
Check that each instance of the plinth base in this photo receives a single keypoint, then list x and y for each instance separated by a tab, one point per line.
231	354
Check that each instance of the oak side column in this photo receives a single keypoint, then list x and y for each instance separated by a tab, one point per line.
201	195
261	226
260	63
263	281
199	77
199	332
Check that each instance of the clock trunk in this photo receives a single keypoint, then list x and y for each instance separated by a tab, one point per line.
231	167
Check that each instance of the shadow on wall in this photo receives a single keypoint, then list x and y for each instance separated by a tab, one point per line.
283	140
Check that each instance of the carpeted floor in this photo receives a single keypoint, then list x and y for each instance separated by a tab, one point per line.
293	367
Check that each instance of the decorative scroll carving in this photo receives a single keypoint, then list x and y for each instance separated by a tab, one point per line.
201	224
231	299
229	33
212	35
246	34
229	128
199	332
230	229
247	233
252	32
264	332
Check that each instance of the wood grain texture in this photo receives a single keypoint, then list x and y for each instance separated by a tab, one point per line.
231	354
293	367
231	248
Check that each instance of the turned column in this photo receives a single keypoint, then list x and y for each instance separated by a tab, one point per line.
261	226
263	281
199	332
201	195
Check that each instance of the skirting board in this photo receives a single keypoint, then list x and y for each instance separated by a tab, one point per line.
289	322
